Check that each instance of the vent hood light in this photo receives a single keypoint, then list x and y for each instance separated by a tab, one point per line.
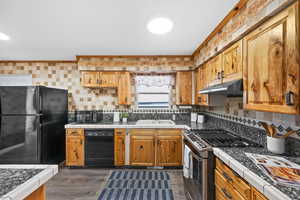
4	36
160	25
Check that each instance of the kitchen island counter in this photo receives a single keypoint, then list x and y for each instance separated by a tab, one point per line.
20	181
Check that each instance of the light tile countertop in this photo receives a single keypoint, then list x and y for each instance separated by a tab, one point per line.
233	157
19	181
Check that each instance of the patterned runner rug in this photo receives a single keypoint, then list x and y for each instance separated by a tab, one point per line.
137	185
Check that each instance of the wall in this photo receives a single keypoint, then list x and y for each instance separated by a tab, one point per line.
66	75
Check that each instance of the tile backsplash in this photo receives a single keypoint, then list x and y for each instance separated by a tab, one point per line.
233	110
66	75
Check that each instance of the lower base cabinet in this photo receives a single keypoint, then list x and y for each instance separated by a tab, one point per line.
75	147
229	185
155	147
169	150
142	151
119	147
39	194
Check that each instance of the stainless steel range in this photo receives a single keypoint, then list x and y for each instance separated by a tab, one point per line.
199	160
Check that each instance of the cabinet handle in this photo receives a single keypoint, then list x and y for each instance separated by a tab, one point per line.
227	177
123	142
219	75
80	142
289	98
227	194
222	74
141	147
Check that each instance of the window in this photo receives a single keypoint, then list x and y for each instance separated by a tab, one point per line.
153	91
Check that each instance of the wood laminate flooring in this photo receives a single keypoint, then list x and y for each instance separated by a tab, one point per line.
86	184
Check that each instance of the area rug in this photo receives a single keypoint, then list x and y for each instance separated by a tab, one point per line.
137	185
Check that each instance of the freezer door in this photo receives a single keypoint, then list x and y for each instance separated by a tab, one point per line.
53	101
18	100
19	136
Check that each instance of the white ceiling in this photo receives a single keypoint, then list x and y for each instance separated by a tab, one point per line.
62	29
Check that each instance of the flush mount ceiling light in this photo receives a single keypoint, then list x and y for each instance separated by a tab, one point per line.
160	25
4	36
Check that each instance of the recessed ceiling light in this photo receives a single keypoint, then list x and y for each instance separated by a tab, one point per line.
4	36
160	25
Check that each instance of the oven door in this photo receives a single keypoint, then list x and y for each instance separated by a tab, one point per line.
196	184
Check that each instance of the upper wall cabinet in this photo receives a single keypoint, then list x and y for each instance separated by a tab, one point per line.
232	63
271	64
202	99
124	89
99	79
214	67
90	79
184	88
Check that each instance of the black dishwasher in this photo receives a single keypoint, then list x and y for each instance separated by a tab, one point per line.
99	148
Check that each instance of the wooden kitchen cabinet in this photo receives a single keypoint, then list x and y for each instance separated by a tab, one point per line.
124	89
119	147
169	150
184	88
202	98
38	194
142	150
156	147
75	147
271	64
229	185
90	79
232	63
214	67
256	195
99	79
108	79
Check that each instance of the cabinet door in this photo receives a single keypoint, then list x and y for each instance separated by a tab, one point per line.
75	148
119	147
184	88
169	151
271	69
90	79
203	98
256	195
215	68
142	150
232	63
108	79
124	89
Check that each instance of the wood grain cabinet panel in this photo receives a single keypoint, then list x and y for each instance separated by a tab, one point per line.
75	147
215	68
108	79
256	195
142	150
203	82
271	64
169	150
184	88
38	194
119	147
232	63
89	79
124	89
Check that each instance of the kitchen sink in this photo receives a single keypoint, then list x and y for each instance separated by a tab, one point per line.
155	122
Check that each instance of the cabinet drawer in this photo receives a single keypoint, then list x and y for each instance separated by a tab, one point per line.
120	132
168	132
75	132
233	178
142	132
225	188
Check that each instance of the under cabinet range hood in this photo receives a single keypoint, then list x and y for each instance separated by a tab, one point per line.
230	89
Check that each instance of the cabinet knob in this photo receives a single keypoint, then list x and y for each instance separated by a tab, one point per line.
141	147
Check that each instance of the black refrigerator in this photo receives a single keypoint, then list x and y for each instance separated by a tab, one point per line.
32	120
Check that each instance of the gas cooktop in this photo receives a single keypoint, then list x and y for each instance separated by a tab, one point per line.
219	138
